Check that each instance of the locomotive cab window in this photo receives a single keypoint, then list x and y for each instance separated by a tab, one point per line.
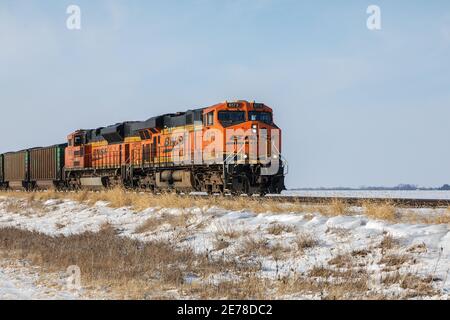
265	117
231	117
78	141
210	118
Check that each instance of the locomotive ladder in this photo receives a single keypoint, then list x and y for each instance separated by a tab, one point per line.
127	171
226	165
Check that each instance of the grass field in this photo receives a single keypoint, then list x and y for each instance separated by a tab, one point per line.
132	245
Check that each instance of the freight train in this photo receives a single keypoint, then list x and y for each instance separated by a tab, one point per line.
230	147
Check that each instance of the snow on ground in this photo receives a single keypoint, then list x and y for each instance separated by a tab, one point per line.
413	194
428	244
19	281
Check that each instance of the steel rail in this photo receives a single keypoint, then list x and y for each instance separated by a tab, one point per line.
399	202
354	201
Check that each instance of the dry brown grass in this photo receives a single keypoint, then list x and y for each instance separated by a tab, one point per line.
347	282
415	285
250	286
305	241
129	268
352	288
395	260
332	284
440	219
278	228
59	225
220	243
324	272
443	218
25	206
360	253
339	207
36	206
418	248
384	211
151	224
140	201
391	278
388	242
14	206
341	261
174	220
119	197
227	230
141	270
253	247
339	232
332	208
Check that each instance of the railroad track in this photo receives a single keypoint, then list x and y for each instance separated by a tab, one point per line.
357	201
354	201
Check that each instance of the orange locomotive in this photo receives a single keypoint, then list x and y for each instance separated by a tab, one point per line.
229	147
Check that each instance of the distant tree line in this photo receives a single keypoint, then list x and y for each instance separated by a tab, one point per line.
403	187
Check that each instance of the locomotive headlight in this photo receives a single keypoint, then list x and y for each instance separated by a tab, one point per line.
254	128
275	156
245	156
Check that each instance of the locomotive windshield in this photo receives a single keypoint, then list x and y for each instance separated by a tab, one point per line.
78	141
260	116
231	117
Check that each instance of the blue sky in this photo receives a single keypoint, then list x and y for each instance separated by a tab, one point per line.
356	107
